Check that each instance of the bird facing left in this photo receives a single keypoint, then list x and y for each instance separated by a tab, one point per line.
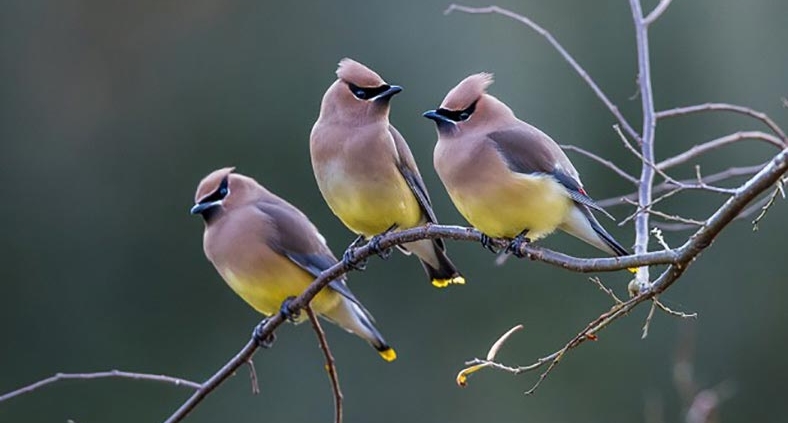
267	251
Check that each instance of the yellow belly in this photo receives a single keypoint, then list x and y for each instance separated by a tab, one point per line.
370	209
266	292
503	210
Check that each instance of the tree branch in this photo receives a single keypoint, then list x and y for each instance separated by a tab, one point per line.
604	162
330	364
681	111
714	144
558	47
99	375
647	145
657	12
670	186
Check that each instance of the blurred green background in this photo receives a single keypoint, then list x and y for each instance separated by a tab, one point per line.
112	111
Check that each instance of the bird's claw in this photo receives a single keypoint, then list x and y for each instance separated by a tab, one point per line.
489	243
288	312
262	340
374	247
349	259
515	247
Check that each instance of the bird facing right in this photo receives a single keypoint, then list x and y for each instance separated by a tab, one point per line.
507	178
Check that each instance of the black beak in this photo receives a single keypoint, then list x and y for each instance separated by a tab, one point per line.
437	117
202	207
391	92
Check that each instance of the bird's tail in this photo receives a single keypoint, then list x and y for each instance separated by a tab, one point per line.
352	317
582	224
437	265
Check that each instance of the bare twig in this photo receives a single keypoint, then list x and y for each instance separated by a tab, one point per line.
642	158
674	313
99	375
675	218
650	315
683	183
606	290
647	136
769	202
714	144
658	235
330	363
560	49
253	377
681	111
604	162
657	12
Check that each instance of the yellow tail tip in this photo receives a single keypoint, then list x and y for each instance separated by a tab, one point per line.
388	354
634	270
443	283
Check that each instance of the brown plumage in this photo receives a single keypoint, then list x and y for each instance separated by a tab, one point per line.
365	170
508	178
267	251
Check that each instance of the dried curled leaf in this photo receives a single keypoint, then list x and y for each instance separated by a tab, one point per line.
462	376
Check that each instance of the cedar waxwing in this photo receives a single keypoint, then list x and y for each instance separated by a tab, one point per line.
365	170
506	177
268	251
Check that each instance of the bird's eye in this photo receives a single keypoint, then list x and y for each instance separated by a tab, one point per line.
458	115
223	192
466	114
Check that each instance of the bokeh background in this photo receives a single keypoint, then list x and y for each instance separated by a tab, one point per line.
112	111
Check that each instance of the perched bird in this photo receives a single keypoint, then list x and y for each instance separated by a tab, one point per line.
507	178
365	170
268	252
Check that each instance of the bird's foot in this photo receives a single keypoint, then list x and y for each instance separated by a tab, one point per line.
374	243
515	247
262	340
374	246
349	256
350	260
489	243
287	312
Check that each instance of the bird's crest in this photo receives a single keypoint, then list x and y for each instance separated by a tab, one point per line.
467	91
211	182
354	72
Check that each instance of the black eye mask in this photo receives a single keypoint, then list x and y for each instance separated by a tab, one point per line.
458	115
367	93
